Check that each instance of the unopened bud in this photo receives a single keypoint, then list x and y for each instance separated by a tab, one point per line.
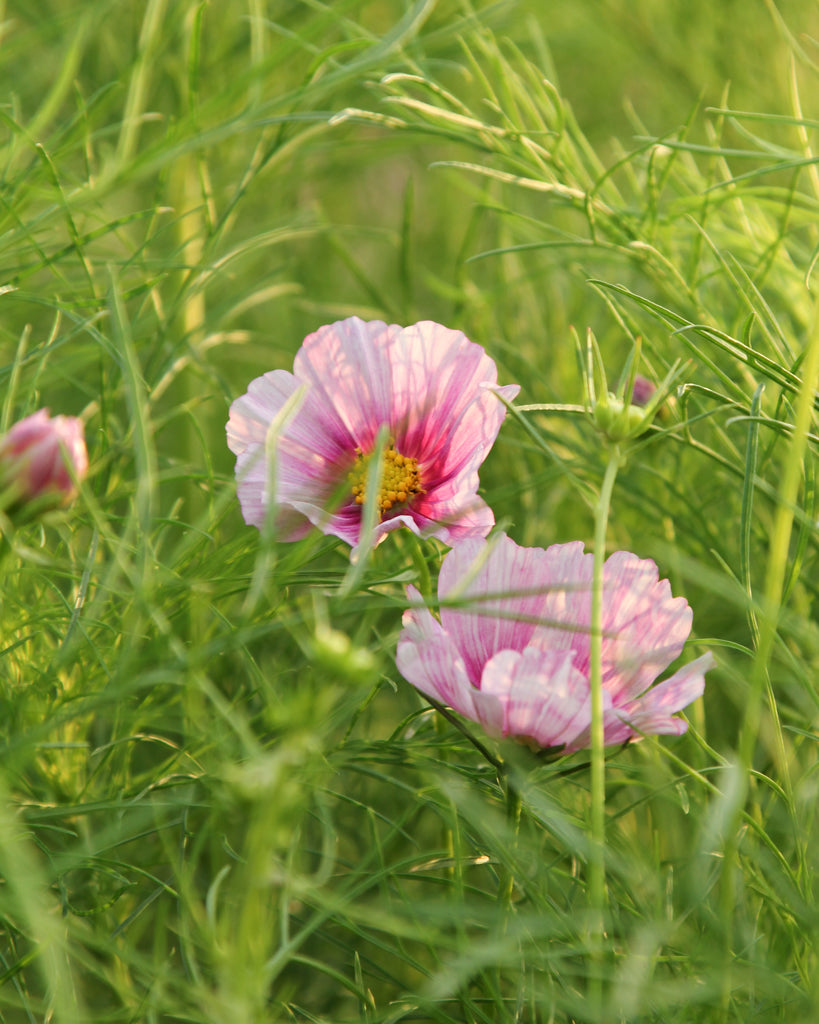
335	652
41	459
618	421
643	390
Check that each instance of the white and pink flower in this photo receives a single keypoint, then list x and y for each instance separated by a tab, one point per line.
512	647
432	390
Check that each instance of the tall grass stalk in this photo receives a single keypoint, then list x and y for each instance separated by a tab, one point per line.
219	800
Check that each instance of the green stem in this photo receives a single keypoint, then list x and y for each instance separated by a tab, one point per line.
597	863
421	567
770	609
513	808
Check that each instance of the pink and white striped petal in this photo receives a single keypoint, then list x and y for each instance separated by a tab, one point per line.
427	658
654	711
551	715
512	648
434	390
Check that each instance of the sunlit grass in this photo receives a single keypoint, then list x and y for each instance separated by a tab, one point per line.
219	801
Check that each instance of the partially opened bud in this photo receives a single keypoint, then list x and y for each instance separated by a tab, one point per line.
625	419
41	458
643	390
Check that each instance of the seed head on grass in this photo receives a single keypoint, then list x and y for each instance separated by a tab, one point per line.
432	390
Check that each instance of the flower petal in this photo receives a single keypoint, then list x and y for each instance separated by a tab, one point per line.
654	711
644	627
349	366
456	412
427	658
445	415
461	516
309	450
543	696
514	629
566	610
433	389
41	457
507	591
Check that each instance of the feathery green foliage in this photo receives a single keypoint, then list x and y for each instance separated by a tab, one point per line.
218	800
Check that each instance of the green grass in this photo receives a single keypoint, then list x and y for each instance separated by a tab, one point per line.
213	810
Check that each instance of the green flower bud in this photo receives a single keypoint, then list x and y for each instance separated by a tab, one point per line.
619	421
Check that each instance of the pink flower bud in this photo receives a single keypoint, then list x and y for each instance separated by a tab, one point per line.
38	456
643	390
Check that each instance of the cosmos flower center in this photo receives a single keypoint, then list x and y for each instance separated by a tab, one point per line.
400	479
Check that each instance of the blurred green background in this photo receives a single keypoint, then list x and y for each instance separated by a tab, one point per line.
187	189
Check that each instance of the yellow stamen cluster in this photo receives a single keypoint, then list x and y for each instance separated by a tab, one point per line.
400	479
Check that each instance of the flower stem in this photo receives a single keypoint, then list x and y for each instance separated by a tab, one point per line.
419	562
597	863
773	599
506	889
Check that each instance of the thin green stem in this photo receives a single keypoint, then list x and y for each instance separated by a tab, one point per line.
770	609
424	581
513	808
597	864
777	563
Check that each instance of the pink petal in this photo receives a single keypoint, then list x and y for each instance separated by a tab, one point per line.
654	711
481	573
445	417
644	627
489	712
544	698
567	607
41	456
314	429
497	660
478	574
615	730
310	449
349	366
462	516
427	658
455	412
431	387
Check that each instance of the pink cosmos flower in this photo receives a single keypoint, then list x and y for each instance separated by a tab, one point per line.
38	456
435	392
513	653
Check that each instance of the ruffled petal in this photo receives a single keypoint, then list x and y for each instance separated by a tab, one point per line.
615	729
566	613
654	711
544	698
480	574
429	385
511	650
427	658
644	627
